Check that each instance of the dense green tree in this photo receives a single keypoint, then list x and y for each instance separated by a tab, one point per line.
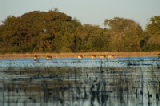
151	41
153	28
37	31
125	34
54	31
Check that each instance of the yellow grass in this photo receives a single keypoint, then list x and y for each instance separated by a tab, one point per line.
75	55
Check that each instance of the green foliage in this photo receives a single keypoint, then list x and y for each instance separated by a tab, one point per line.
151	48
54	31
125	35
119	24
152	37
153	28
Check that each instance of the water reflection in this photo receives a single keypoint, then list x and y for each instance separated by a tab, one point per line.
135	84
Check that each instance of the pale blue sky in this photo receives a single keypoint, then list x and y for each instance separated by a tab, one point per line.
87	11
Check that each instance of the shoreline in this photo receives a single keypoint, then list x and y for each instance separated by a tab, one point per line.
75	55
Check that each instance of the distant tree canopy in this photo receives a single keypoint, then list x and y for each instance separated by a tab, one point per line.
38	32
125	34
153	28
54	31
151	40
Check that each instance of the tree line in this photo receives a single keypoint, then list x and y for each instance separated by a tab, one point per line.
54	31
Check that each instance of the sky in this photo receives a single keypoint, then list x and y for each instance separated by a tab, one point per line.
86	11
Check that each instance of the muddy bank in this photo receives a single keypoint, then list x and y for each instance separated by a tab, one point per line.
75	55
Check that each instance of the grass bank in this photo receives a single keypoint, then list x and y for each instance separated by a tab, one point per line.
75	55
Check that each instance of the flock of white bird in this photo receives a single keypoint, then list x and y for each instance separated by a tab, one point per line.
111	56
101	57
81	57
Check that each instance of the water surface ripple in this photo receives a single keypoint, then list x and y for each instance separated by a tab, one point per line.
130	81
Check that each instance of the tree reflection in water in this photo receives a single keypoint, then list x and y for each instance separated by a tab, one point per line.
80	85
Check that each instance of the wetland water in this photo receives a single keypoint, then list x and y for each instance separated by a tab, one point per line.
130	81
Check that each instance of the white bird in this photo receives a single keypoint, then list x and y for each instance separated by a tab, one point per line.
102	56
35	57
111	56
93	56
80	57
49	57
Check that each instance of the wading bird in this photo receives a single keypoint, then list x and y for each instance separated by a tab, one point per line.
111	56
49	57
80	57
35	57
93	56
102	56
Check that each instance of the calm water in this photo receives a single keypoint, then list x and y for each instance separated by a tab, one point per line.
130	81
